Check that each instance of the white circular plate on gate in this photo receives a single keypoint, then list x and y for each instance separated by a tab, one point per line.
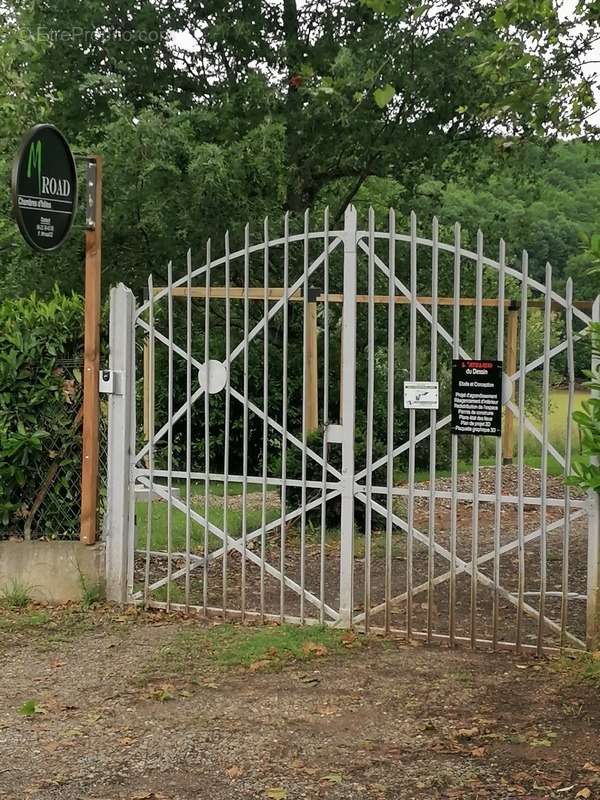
507	388
217	376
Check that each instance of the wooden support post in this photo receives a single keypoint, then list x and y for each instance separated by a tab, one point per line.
312	390
510	367
91	364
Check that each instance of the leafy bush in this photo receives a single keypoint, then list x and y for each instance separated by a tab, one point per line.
38	402
587	471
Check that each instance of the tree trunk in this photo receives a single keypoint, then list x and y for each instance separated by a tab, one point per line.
293	56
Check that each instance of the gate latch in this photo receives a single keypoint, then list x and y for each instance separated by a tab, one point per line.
111	381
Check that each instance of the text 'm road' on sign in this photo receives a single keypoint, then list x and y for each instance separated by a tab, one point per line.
44	188
477	397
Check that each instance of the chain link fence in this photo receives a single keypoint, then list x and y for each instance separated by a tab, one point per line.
51	499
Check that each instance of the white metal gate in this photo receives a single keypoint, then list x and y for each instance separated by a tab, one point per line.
283	493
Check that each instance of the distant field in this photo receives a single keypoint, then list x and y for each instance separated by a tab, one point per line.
558	422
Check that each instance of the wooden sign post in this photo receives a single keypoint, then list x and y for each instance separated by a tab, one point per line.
91	364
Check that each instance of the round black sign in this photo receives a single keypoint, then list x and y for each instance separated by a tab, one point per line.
44	188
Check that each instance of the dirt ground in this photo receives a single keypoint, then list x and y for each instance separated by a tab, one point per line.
100	705
572	559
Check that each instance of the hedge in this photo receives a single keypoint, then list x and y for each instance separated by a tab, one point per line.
40	395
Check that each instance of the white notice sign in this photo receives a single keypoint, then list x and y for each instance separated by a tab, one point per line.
421	394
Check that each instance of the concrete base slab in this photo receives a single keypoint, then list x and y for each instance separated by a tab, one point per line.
52	572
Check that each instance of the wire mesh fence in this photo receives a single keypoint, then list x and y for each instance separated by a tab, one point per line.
51	497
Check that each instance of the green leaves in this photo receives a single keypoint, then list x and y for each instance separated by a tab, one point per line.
586	473
30	708
384	95
37	407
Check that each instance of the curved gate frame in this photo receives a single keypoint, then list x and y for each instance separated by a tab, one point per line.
126	466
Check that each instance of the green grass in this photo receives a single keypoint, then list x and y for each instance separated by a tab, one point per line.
15	595
580	668
198	651
14	623
557	427
557	430
178	532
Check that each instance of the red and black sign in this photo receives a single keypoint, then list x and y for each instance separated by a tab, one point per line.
44	188
477	397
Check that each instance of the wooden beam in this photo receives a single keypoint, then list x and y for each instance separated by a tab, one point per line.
510	367
258	293
91	367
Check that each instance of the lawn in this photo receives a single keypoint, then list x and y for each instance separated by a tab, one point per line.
216	516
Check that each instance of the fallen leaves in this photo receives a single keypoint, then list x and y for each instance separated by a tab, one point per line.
314	649
234	772
276	793
163	693
333	777
585	793
467	733
262	663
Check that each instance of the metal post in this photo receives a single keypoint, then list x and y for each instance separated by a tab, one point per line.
510	368
120	430
311	410
347	415
593	584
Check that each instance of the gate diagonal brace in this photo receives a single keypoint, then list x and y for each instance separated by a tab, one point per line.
556	350
464	566
483	559
234	544
298	284
402	448
216	554
406	292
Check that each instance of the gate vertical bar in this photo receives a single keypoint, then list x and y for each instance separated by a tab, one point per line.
305	406
499	444
564	604
206	427
476	445
227	419
593	585
370	400
170	434
521	448
120	425
432	423
265	432
245	418
149	432
325	412
348	411
544	460
412	375
284	411
454	456
188	429
391	338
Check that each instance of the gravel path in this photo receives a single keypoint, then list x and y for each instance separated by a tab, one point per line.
119	716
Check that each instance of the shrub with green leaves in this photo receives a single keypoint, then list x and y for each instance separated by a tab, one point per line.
38	403
587	470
